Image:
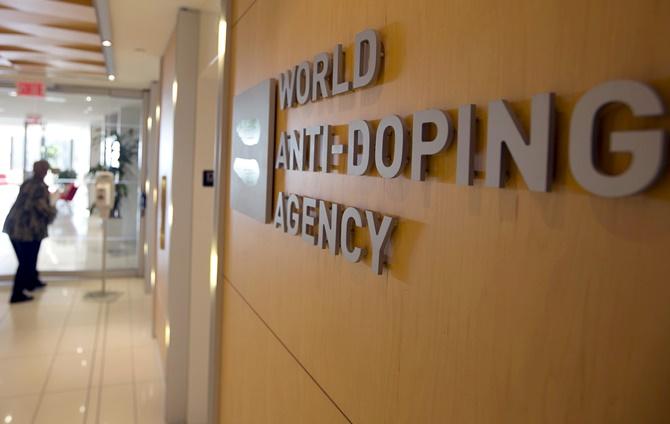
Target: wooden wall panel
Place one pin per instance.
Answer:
(261, 383)
(500, 306)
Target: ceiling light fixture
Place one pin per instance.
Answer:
(13, 93)
(88, 99)
(111, 77)
(106, 43)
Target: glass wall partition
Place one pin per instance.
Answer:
(78, 134)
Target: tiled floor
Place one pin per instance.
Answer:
(65, 359)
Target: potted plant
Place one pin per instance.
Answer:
(127, 155)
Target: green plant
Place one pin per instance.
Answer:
(49, 153)
(68, 174)
(128, 145)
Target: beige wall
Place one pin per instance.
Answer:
(165, 122)
(203, 221)
(179, 76)
(500, 306)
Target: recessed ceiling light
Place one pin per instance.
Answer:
(13, 94)
(106, 43)
(88, 99)
(111, 77)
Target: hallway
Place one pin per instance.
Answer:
(64, 359)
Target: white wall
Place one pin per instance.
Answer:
(176, 160)
(203, 219)
(186, 148)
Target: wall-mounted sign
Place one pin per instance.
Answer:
(30, 88)
(396, 143)
(33, 119)
(253, 130)
(208, 178)
(329, 225)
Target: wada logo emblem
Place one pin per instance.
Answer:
(249, 132)
(252, 151)
(248, 170)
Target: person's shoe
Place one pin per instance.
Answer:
(20, 298)
(38, 285)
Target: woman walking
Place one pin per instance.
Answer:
(26, 225)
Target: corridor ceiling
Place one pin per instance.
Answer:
(58, 41)
(51, 39)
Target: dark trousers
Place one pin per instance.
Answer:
(26, 275)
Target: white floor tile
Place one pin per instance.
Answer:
(64, 407)
(18, 343)
(149, 399)
(33, 316)
(147, 363)
(70, 372)
(78, 339)
(65, 359)
(117, 336)
(82, 314)
(23, 376)
(18, 410)
(117, 366)
(141, 334)
(117, 405)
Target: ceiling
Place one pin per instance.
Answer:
(140, 32)
(50, 38)
(58, 41)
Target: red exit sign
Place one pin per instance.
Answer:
(25, 88)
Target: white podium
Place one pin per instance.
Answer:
(104, 202)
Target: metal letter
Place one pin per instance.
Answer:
(323, 68)
(329, 226)
(367, 58)
(422, 147)
(648, 147)
(280, 212)
(282, 161)
(467, 130)
(361, 149)
(324, 154)
(400, 149)
(350, 218)
(312, 133)
(304, 82)
(340, 86)
(308, 218)
(293, 214)
(287, 88)
(296, 151)
(380, 235)
(535, 160)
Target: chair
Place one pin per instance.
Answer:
(68, 194)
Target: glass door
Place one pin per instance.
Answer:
(78, 135)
